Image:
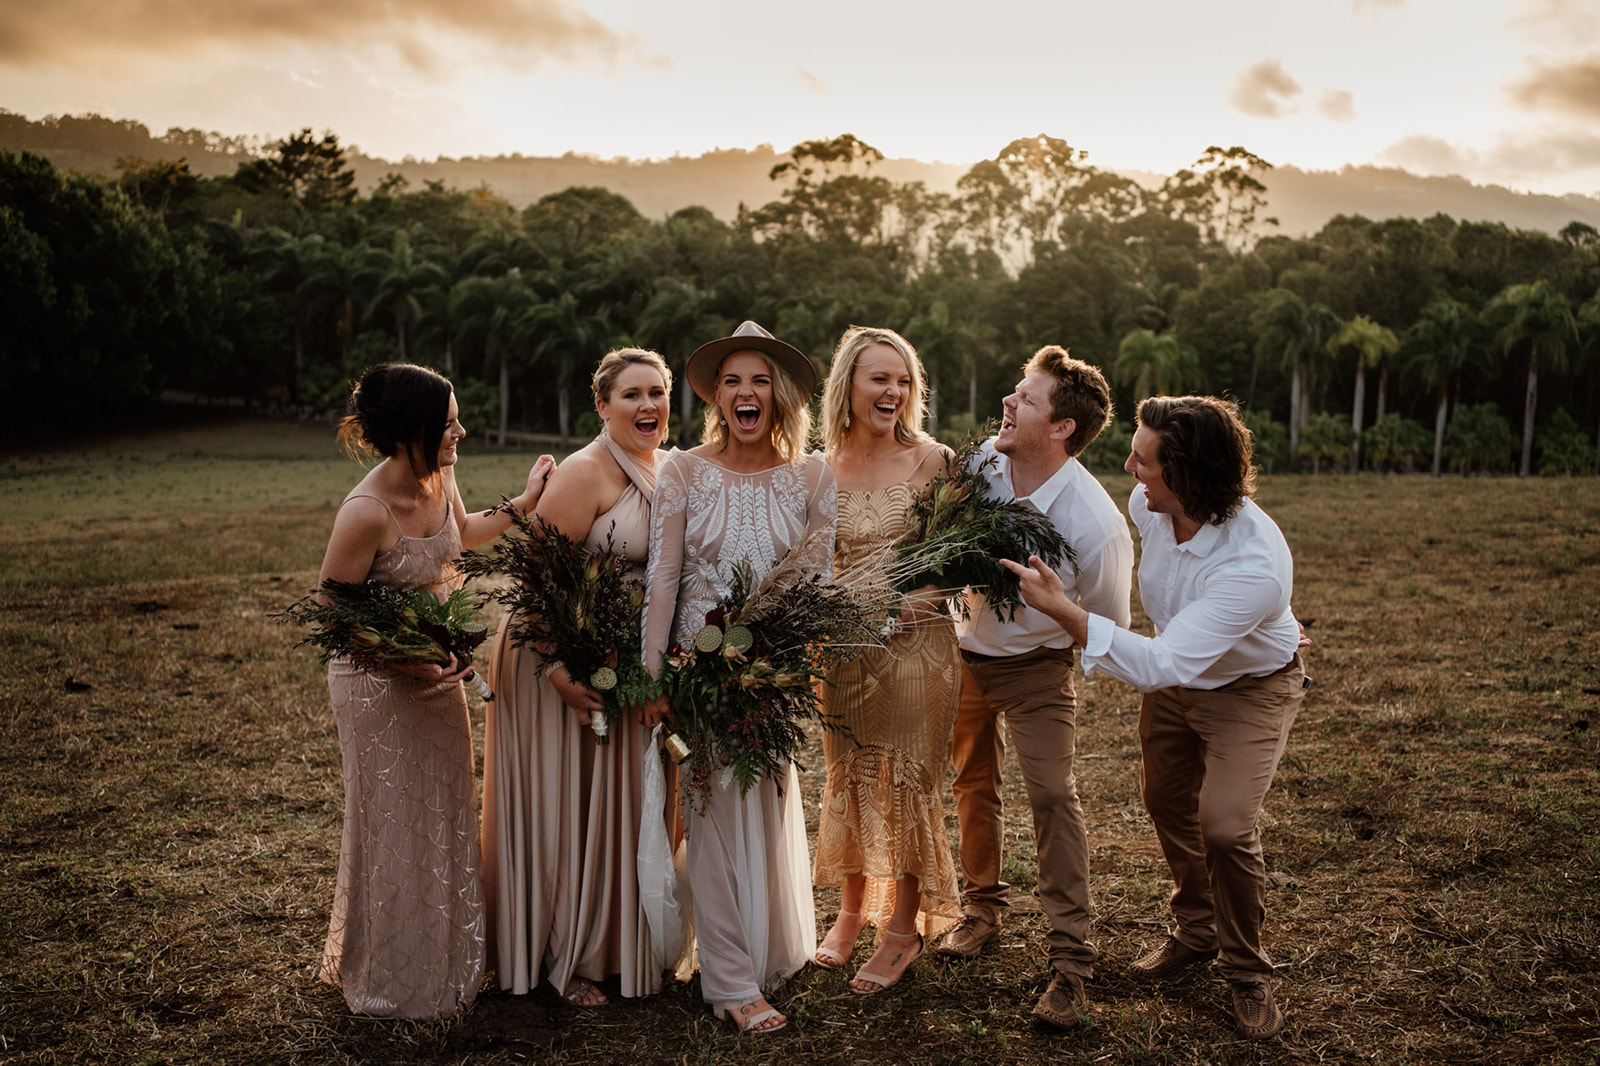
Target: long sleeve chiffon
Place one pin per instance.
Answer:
(747, 855)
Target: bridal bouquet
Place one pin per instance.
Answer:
(748, 680)
(958, 532)
(379, 625)
(576, 606)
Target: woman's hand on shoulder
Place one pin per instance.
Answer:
(538, 479)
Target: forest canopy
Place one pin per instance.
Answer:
(1396, 343)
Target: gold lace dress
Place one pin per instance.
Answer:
(406, 937)
(882, 812)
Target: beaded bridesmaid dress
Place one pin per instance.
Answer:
(406, 939)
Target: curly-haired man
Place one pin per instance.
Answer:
(1222, 680)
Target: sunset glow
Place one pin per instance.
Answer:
(1499, 91)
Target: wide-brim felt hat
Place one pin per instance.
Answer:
(701, 369)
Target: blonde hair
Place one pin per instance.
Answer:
(791, 429)
(836, 392)
(615, 362)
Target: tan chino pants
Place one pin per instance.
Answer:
(1034, 692)
(1208, 759)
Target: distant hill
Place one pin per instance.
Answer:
(721, 180)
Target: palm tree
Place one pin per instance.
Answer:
(566, 337)
(496, 249)
(402, 284)
(1535, 316)
(945, 341)
(1290, 330)
(1372, 343)
(497, 312)
(289, 261)
(1152, 362)
(677, 319)
(1439, 346)
(338, 278)
(1589, 327)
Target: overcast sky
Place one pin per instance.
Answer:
(1499, 91)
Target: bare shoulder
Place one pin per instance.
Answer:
(363, 529)
(932, 461)
(362, 510)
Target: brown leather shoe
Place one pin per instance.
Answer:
(968, 937)
(1063, 1004)
(1259, 1017)
(1172, 957)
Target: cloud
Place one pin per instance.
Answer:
(1429, 155)
(1568, 88)
(1370, 11)
(1557, 21)
(1556, 152)
(812, 84)
(1265, 90)
(1336, 105)
(1512, 158)
(527, 32)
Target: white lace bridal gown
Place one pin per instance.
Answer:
(747, 856)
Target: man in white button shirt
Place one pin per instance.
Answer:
(1022, 669)
(1222, 681)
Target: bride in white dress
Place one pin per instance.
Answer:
(747, 495)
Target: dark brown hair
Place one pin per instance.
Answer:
(1080, 393)
(395, 407)
(1204, 451)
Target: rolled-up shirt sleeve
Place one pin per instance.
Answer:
(1195, 640)
(1104, 584)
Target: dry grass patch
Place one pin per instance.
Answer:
(170, 819)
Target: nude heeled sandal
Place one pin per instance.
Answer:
(830, 958)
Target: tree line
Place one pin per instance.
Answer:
(1430, 344)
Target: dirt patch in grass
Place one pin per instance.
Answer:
(170, 817)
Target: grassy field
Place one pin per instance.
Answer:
(170, 816)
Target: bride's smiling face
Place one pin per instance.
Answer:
(744, 396)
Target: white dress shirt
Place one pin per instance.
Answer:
(1219, 601)
(1079, 506)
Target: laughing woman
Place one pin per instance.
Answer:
(407, 935)
(881, 835)
(561, 812)
(746, 496)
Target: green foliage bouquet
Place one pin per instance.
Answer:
(379, 625)
(743, 687)
(576, 606)
(957, 534)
